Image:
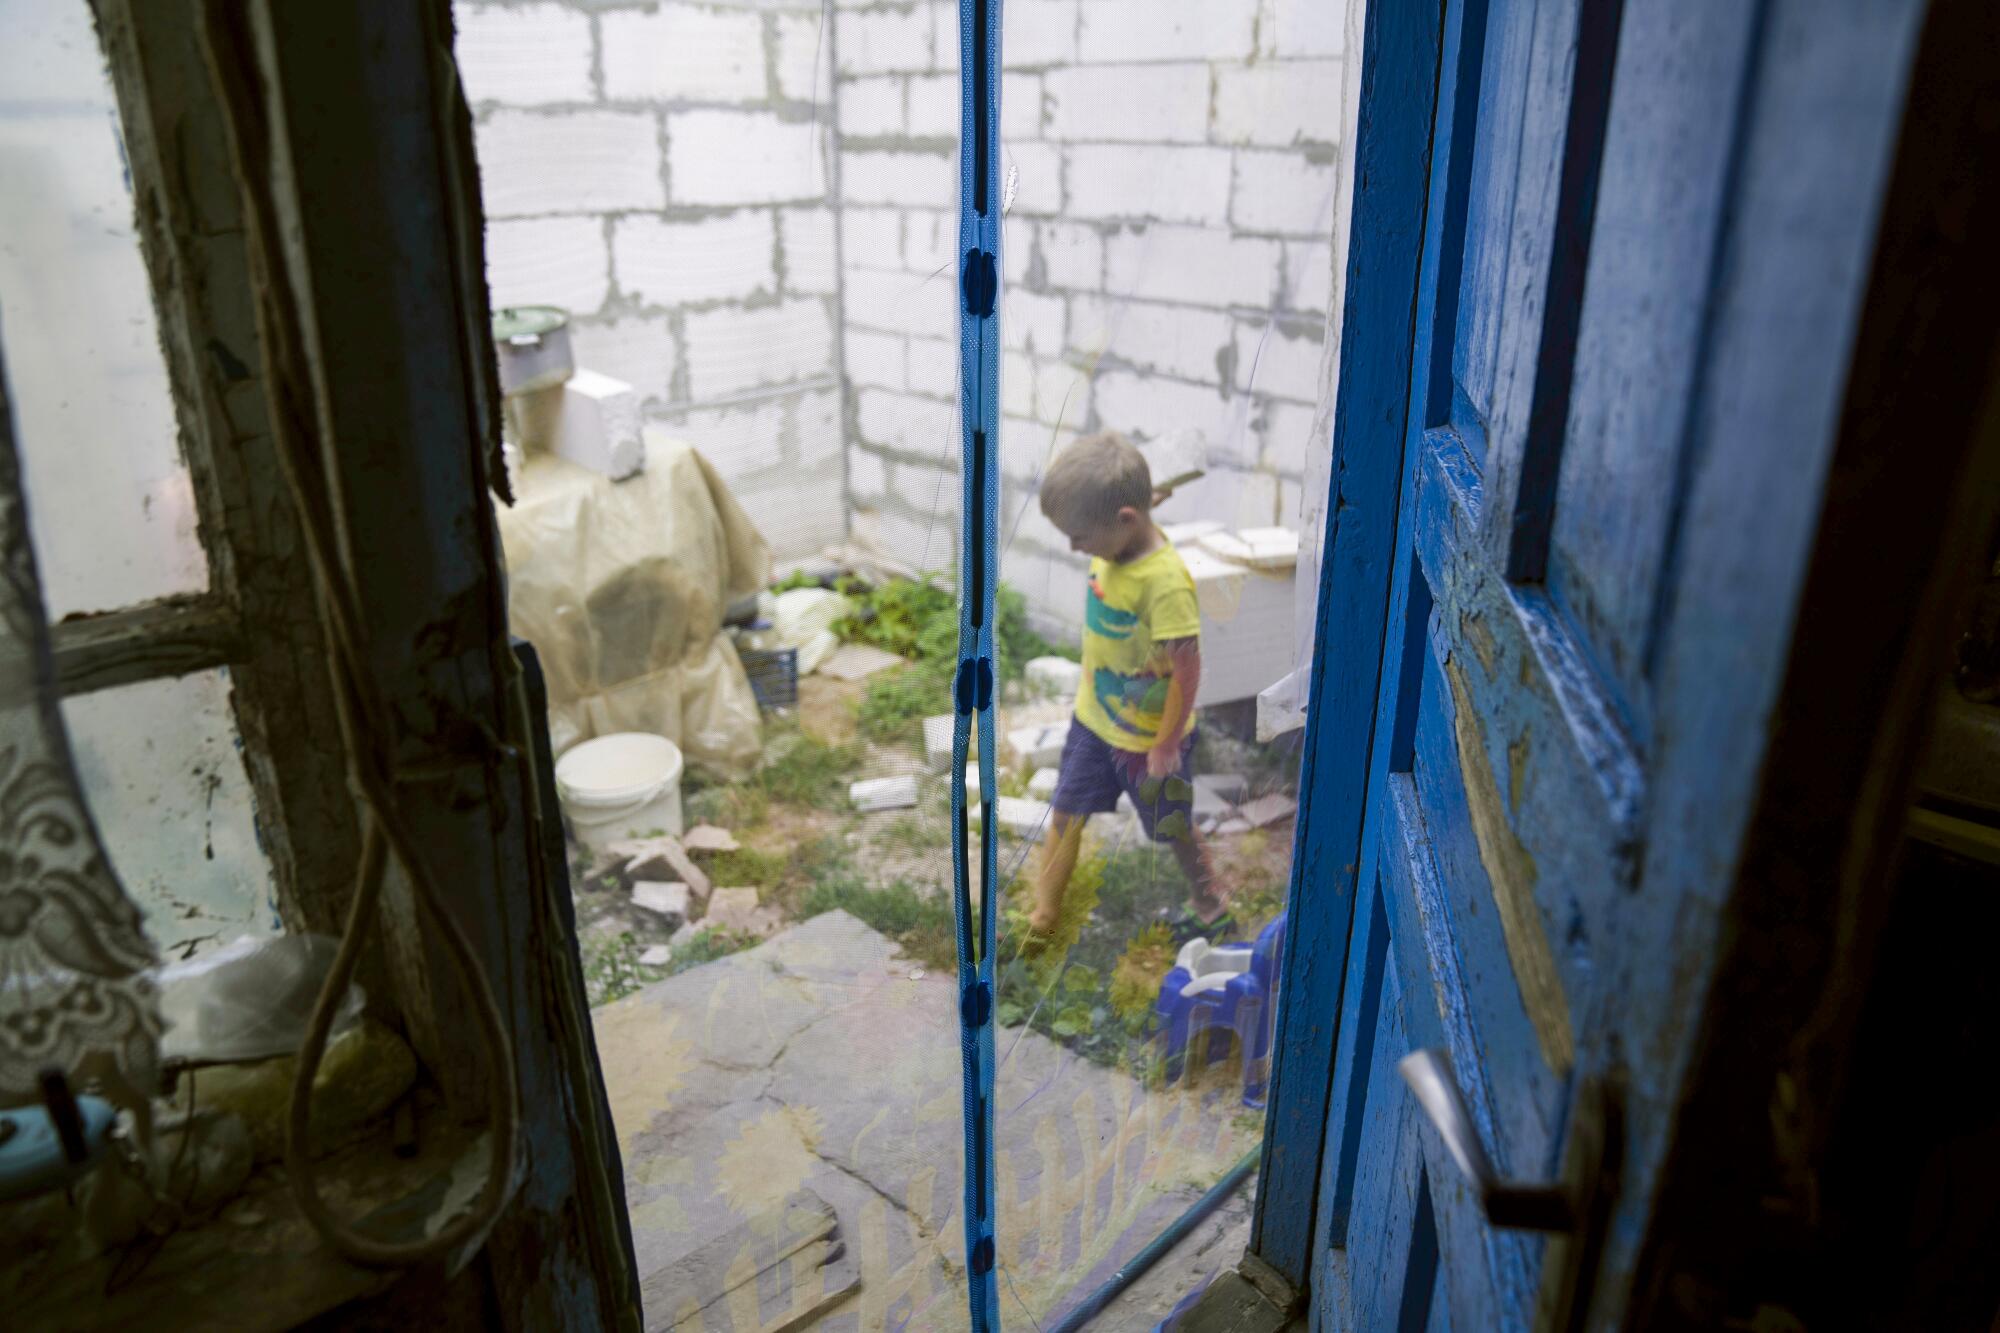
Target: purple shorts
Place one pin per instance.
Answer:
(1094, 772)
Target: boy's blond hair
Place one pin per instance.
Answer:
(1093, 479)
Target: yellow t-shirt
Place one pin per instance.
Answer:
(1129, 609)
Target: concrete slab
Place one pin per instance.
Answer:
(816, 1062)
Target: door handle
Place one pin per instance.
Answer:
(1575, 1209)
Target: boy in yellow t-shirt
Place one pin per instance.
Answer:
(1134, 726)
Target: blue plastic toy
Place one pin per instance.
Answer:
(1219, 995)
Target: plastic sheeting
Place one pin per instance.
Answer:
(621, 586)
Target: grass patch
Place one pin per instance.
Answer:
(612, 970)
(727, 805)
(896, 703)
(913, 834)
(804, 770)
(747, 867)
(922, 923)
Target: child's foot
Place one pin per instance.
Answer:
(1210, 909)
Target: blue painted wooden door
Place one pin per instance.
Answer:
(1625, 287)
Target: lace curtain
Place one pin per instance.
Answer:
(75, 983)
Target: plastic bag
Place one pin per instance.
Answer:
(250, 1000)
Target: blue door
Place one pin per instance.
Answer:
(1645, 238)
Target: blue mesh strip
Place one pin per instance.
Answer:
(979, 473)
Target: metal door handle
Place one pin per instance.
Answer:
(1578, 1208)
(1506, 1203)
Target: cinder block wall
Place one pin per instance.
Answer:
(1168, 255)
(767, 247)
(663, 170)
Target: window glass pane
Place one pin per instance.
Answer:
(162, 767)
(112, 508)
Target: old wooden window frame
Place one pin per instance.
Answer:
(361, 92)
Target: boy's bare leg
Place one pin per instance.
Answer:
(1059, 853)
(1192, 853)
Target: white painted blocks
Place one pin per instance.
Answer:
(682, 53)
(867, 473)
(1033, 321)
(723, 258)
(933, 106)
(894, 303)
(717, 157)
(1022, 816)
(1020, 107)
(573, 162)
(639, 349)
(1308, 284)
(875, 360)
(1053, 677)
(529, 55)
(871, 237)
(1168, 30)
(872, 107)
(1147, 183)
(1308, 28)
(1128, 103)
(1283, 103)
(740, 442)
(1283, 192)
(809, 260)
(1187, 342)
(598, 426)
(1038, 178)
(805, 59)
(1151, 407)
(731, 349)
(915, 180)
(938, 746)
(1042, 786)
(1038, 33)
(880, 41)
(893, 793)
(548, 261)
(1072, 255)
(1281, 360)
(1198, 265)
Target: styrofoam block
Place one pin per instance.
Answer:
(1229, 787)
(1053, 677)
(1208, 805)
(1268, 809)
(1022, 816)
(657, 956)
(598, 427)
(937, 743)
(1038, 747)
(894, 793)
(1042, 786)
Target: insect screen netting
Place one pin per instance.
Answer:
(914, 410)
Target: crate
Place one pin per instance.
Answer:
(774, 675)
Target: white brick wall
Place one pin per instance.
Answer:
(893, 40)
(744, 157)
(1128, 103)
(1167, 30)
(665, 169)
(802, 40)
(1203, 266)
(1285, 361)
(1279, 192)
(529, 55)
(548, 261)
(639, 349)
(683, 54)
(733, 349)
(916, 180)
(872, 107)
(1142, 183)
(578, 162)
(1282, 104)
(1038, 33)
(725, 258)
(1183, 341)
(811, 260)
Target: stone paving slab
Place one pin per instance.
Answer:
(822, 1060)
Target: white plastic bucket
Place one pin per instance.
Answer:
(622, 786)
